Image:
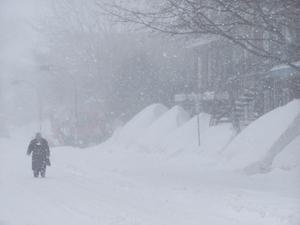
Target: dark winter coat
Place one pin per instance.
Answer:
(40, 154)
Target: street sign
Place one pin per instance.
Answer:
(180, 97)
(206, 96)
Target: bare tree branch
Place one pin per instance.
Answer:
(237, 21)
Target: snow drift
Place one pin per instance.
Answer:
(185, 138)
(167, 123)
(254, 143)
(133, 129)
(157, 130)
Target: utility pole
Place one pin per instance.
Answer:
(199, 95)
(197, 104)
(76, 111)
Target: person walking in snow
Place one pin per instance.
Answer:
(39, 149)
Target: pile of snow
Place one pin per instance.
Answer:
(162, 127)
(185, 138)
(253, 143)
(155, 129)
(289, 158)
(133, 129)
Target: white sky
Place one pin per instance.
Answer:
(17, 37)
(17, 41)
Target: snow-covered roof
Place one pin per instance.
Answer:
(285, 66)
(284, 70)
(204, 40)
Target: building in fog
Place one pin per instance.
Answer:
(237, 86)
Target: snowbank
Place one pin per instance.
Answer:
(185, 138)
(167, 123)
(138, 124)
(157, 130)
(253, 143)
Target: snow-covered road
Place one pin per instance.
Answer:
(90, 187)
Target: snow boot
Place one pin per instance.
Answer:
(35, 173)
(43, 173)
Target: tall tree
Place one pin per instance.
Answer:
(246, 23)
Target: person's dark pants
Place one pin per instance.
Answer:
(39, 165)
(42, 172)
